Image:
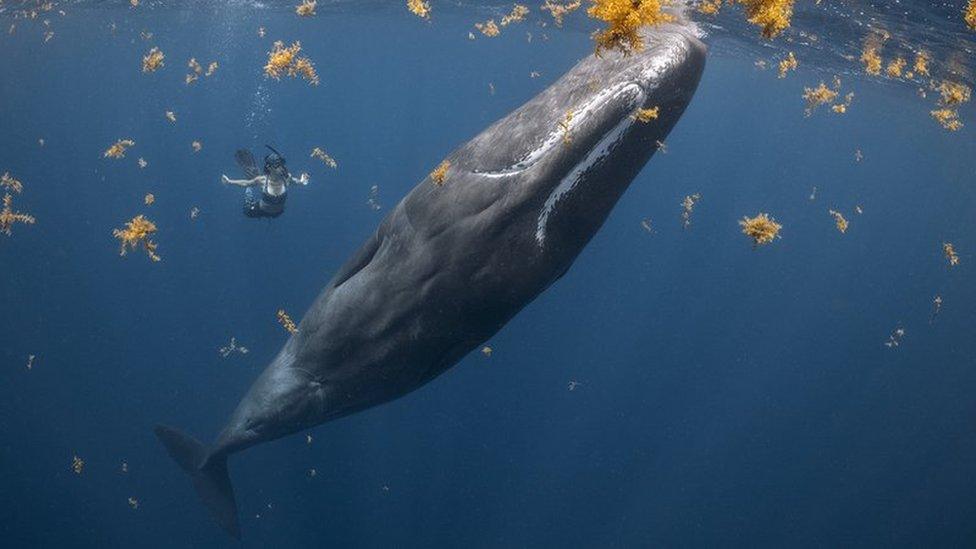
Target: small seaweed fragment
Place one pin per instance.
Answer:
(149, 199)
(896, 67)
(646, 115)
(118, 149)
(231, 348)
(560, 10)
(440, 172)
(324, 157)
(286, 322)
(488, 28)
(687, 206)
(136, 232)
(821, 95)
(624, 18)
(517, 15)
(789, 63)
(871, 54)
(282, 60)
(969, 14)
(841, 108)
(196, 69)
(77, 464)
(762, 228)
(153, 60)
(948, 118)
(950, 253)
(839, 220)
(936, 307)
(8, 216)
(306, 8)
(895, 338)
(709, 7)
(921, 66)
(420, 8)
(11, 184)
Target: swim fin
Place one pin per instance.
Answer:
(245, 160)
(209, 475)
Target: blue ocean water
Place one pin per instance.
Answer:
(721, 394)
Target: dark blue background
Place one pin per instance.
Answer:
(729, 395)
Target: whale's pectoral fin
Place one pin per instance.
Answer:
(209, 475)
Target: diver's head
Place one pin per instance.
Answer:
(274, 165)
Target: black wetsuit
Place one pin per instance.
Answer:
(266, 206)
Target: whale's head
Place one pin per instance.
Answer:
(569, 153)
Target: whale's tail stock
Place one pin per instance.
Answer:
(209, 475)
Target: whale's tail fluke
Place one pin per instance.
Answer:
(209, 475)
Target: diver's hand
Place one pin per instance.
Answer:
(303, 179)
(224, 179)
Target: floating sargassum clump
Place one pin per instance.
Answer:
(560, 10)
(762, 228)
(624, 18)
(117, 150)
(137, 232)
(8, 217)
(286, 61)
(420, 8)
(153, 60)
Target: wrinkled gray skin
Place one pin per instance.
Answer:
(452, 263)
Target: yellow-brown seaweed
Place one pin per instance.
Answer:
(286, 322)
(440, 172)
(324, 157)
(559, 11)
(153, 60)
(762, 228)
(286, 61)
(789, 63)
(420, 8)
(137, 232)
(839, 221)
(646, 115)
(517, 15)
(624, 19)
(306, 8)
(488, 28)
(118, 149)
(950, 253)
(11, 184)
(8, 216)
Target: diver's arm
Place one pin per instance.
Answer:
(243, 182)
(302, 180)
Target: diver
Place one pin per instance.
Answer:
(274, 183)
